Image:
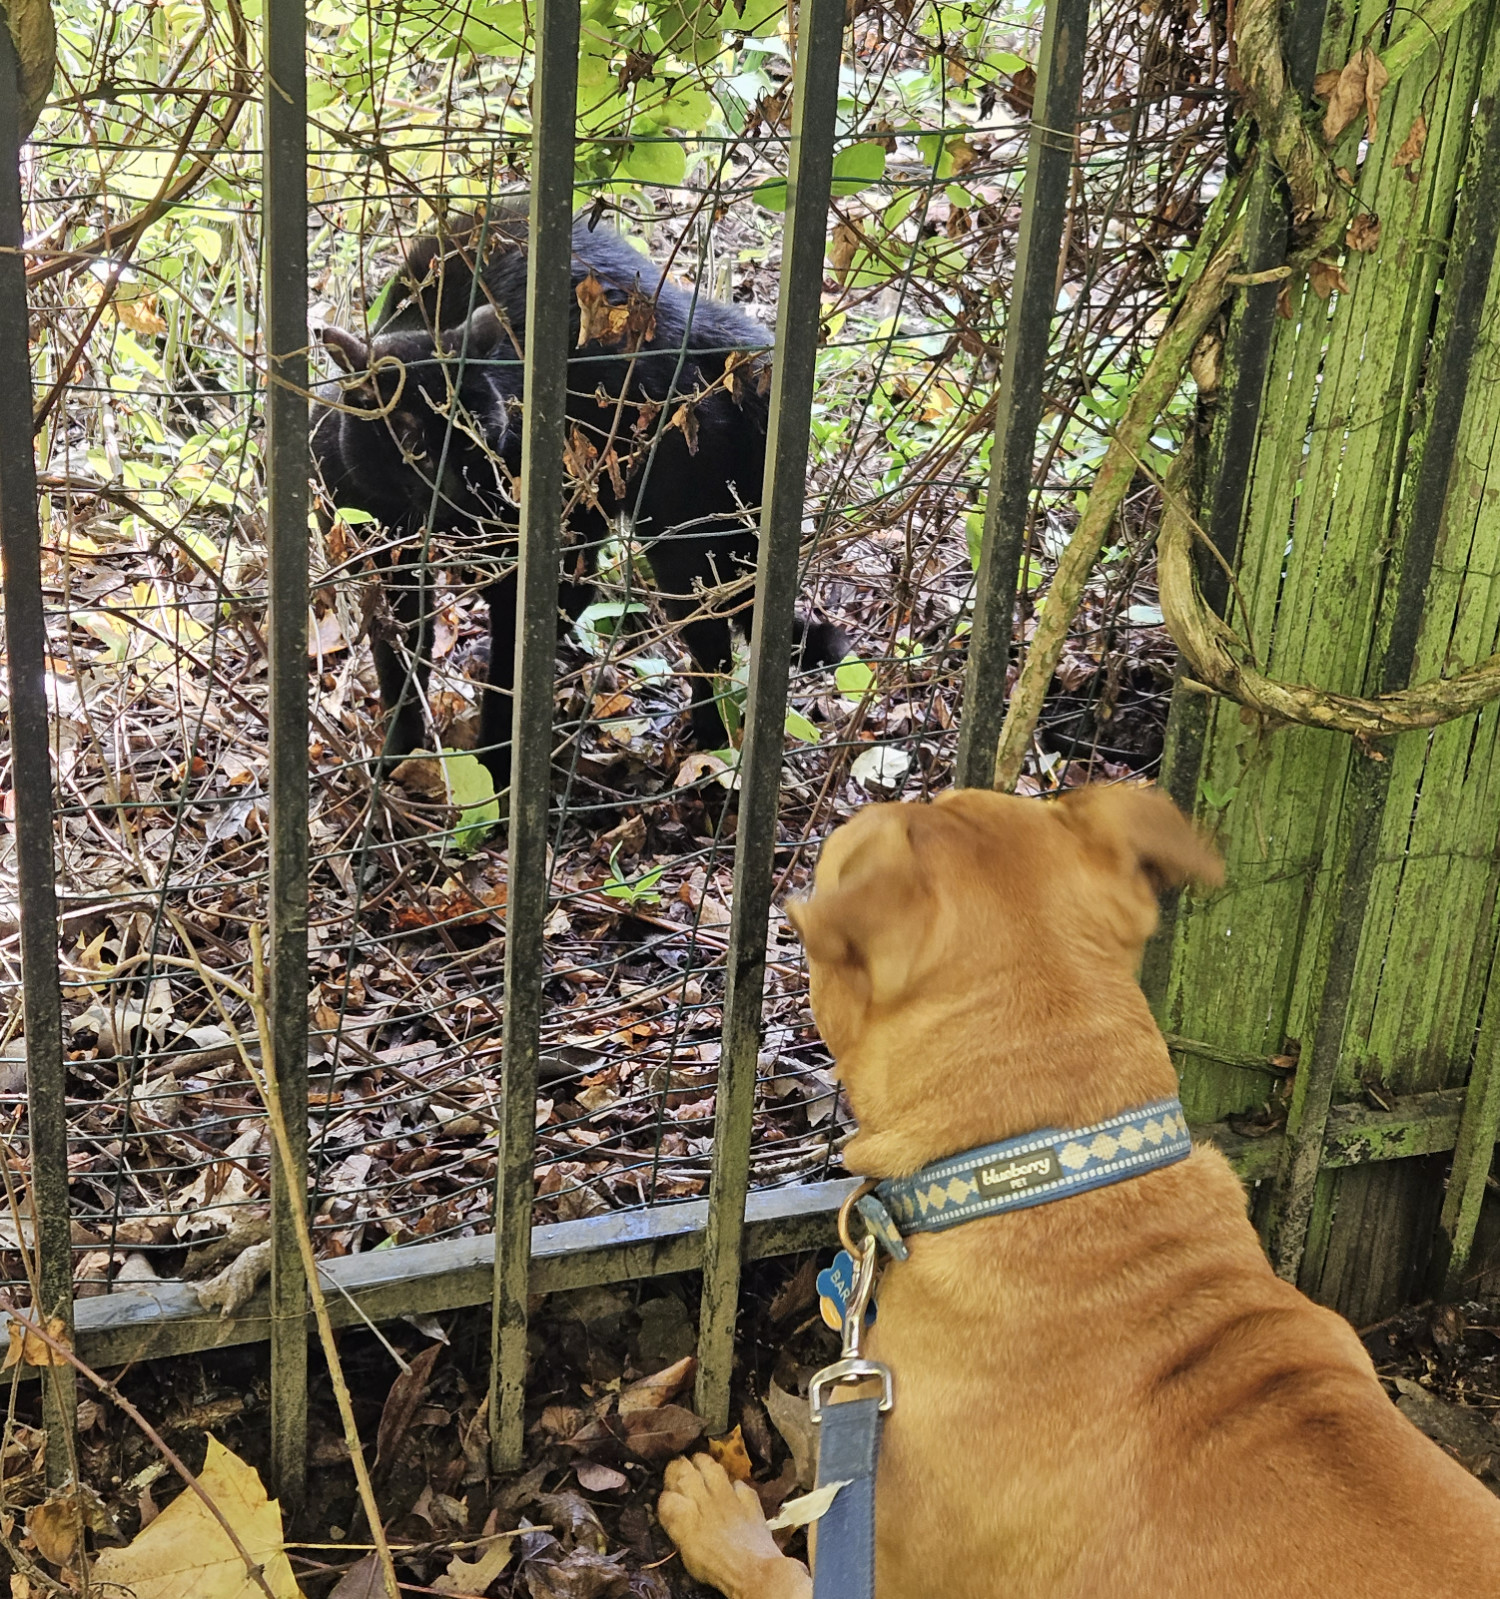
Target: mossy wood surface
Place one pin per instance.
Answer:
(1330, 517)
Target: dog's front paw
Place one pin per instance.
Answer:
(721, 1534)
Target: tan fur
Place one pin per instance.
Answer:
(1112, 1396)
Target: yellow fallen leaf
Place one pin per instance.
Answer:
(28, 1348)
(185, 1550)
(475, 1576)
(731, 1454)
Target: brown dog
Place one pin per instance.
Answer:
(1110, 1395)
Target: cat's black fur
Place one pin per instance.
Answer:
(452, 324)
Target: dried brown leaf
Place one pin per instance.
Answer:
(791, 1418)
(842, 248)
(657, 1435)
(572, 1519)
(658, 1389)
(560, 1421)
(1325, 277)
(1363, 233)
(1020, 96)
(1376, 78)
(363, 1580)
(582, 1575)
(233, 1286)
(407, 1393)
(1413, 145)
(475, 1576)
(56, 1528)
(28, 1348)
(1358, 87)
(597, 1479)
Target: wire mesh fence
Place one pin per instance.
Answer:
(144, 255)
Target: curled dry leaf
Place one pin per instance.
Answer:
(231, 1288)
(407, 1392)
(1413, 145)
(659, 1388)
(1357, 88)
(560, 1421)
(842, 248)
(56, 1528)
(1325, 277)
(363, 1580)
(799, 1512)
(792, 1419)
(572, 1519)
(600, 322)
(583, 1574)
(731, 1454)
(1363, 233)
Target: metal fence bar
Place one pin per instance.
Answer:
(809, 181)
(31, 779)
(1018, 406)
(285, 254)
(548, 301)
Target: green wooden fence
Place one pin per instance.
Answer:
(1358, 929)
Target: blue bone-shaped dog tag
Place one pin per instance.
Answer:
(835, 1286)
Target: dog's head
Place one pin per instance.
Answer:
(986, 914)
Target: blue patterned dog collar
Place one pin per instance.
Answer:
(1032, 1170)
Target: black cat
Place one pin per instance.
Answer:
(667, 414)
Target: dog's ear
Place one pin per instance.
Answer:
(868, 912)
(1147, 828)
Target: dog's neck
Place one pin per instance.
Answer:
(945, 1075)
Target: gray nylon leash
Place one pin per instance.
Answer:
(848, 1447)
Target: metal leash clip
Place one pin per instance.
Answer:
(851, 1367)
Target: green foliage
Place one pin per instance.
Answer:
(632, 891)
(471, 791)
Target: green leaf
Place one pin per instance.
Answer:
(771, 194)
(497, 30)
(799, 727)
(857, 168)
(598, 623)
(472, 790)
(755, 17)
(854, 678)
(658, 162)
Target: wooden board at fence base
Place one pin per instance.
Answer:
(167, 1318)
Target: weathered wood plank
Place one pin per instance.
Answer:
(1251, 964)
